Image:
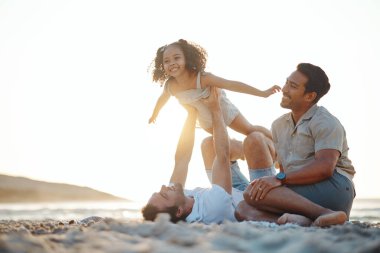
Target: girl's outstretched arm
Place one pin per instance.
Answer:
(209, 79)
(162, 100)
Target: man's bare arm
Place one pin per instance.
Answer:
(221, 174)
(184, 148)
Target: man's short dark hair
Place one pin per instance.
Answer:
(150, 212)
(318, 81)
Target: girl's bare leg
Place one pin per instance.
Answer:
(241, 125)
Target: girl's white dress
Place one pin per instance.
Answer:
(193, 98)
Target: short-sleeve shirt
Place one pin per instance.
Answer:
(318, 129)
(213, 205)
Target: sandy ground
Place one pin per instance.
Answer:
(96, 234)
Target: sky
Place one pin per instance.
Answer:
(76, 93)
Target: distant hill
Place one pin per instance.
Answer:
(21, 189)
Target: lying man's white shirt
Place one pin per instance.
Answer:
(213, 205)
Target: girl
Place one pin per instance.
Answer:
(181, 66)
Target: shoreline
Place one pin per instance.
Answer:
(95, 234)
(365, 210)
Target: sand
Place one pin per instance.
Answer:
(95, 234)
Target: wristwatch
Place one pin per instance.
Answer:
(281, 176)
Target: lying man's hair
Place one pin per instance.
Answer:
(150, 213)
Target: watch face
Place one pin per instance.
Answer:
(281, 176)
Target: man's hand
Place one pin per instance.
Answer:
(212, 101)
(152, 119)
(259, 188)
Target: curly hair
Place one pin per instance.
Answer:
(195, 57)
(318, 81)
(150, 213)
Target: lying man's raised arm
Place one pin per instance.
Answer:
(184, 148)
(221, 174)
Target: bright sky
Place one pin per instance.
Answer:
(75, 94)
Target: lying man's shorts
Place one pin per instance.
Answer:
(240, 182)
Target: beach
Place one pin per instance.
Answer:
(97, 234)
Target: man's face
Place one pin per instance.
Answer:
(168, 196)
(293, 91)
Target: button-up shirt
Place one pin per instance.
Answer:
(297, 143)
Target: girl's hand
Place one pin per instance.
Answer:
(272, 90)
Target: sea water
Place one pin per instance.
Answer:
(365, 210)
(70, 210)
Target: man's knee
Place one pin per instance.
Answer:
(254, 139)
(258, 142)
(207, 144)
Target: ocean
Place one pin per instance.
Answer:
(365, 210)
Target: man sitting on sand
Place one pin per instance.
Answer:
(311, 149)
(217, 204)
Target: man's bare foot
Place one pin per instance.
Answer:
(334, 218)
(295, 219)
